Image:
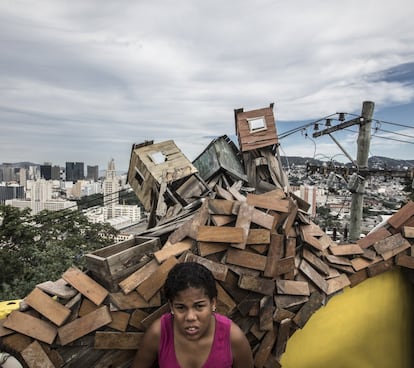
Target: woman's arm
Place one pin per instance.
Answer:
(242, 353)
(147, 352)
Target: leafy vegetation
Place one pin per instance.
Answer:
(41, 247)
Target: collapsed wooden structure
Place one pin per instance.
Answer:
(274, 267)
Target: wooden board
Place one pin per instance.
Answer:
(218, 270)
(84, 325)
(292, 287)
(118, 340)
(268, 202)
(346, 249)
(149, 287)
(223, 234)
(246, 259)
(48, 307)
(400, 217)
(174, 250)
(308, 309)
(120, 320)
(274, 254)
(36, 357)
(313, 275)
(243, 221)
(85, 285)
(132, 281)
(31, 326)
(373, 237)
(60, 288)
(257, 284)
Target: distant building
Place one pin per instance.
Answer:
(56, 172)
(75, 171)
(46, 171)
(92, 172)
(110, 190)
(10, 191)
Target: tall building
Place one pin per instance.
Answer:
(92, 172)
(10, 191)
(110, 190)
(46, 171)
(75, 171)
(56, 172)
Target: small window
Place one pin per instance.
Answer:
(257, 124)
(157, 157)
(138, 176)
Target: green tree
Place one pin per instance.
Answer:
(38, 248)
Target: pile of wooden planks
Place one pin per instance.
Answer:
(273, 266)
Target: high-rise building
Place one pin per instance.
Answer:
(92, 172)
(75, 171)
(11, 191)
(111, 190)
(46, 171)
(56, 172)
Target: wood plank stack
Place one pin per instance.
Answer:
(273, 266)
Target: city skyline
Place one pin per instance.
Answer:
(85, 81)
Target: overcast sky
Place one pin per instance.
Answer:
(83, 80)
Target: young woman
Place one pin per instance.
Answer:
(193, 335)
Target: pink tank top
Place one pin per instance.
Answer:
(220, 354)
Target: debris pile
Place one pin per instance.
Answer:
(274, 267)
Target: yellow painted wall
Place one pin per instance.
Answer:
(369, 325)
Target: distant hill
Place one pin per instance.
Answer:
(374, 162)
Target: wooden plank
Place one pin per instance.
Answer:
(263, 219)
(120, 321)
(223, 193)
(290, 252)
(405, 260)
(257, 284)
(223, 234)
(246, 259)
(258, 236)
(60, 288)
(174, 250)
(207, 248)
(243, 222)
(337, 283)
(313, 275)
(282, 337)
(359, 263)
(266, 313)
(274, 254)
(149, 287)
(335, 260)
(408, 232)
(31, 326)
(3, 330)
(136, 317)
(285, 266)
(280, 314)
(117, 340)
(316, 262)
(48, 307)
(85, 285)
(399, 218)
(292, 287)
(290, 301)
(392, 245)
(147, 321)
(36, 357)
(290, 219)
(218, 270)
(268, 202)
(265, 348)
(373, 237)
(135, 279)
(225, 303)
(221, 220)
(315, 301)
(358, 277)
(84, 325)
(380, 267)
(86, 307)
(220, 206)
(346, 249)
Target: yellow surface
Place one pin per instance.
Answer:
(8, 306)
(369, 325)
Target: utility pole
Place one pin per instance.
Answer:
(364, 140)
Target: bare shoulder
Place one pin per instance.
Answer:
(148, 349)
(242, 353)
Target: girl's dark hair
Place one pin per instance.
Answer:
(189, 274)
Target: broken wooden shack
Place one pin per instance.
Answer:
(274, 267)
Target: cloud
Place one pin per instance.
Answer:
(91, 78)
